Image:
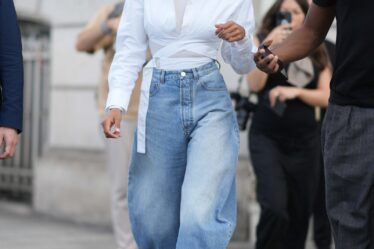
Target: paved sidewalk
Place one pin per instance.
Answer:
(22, 228)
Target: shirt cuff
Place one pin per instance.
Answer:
(117, 98)
(115, 107)
(244, 44)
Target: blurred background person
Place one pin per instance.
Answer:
(11, 80)
(99, 34)
(284, 136)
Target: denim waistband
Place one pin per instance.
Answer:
(192, 73)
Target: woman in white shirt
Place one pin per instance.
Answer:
(182, 174)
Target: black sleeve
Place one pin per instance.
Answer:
(11, 67)
(325, 3)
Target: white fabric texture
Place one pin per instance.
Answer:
(153, 23)
(180, 8)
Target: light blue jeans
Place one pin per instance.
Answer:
(182, 191)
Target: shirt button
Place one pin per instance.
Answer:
(183, 74)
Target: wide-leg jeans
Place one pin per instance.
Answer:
(182, 190)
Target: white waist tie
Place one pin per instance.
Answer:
(161, 60)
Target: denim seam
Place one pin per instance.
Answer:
(162, 77)
(230, 231)
(182, 110)
(236, 130)
(213, 89)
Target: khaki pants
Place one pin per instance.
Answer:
(118, 155)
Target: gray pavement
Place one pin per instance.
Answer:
(22, 228)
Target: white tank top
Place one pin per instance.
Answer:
(180, 9)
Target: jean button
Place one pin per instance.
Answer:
(183, 74)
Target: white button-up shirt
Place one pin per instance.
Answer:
(153, 23)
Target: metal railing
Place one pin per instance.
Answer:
(16, 174)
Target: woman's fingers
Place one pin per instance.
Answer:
(283, 98)
(223, 30)
(111, 124)
(107, 124)
(117, 126)
(273, 95)
(235, 36)
(230, 31)
(232, 34)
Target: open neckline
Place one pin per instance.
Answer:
(180, 24)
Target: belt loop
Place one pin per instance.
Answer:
(157, 62)
(218, 64)
(195, 74)
(162, 76)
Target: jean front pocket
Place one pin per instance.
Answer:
(154, 88)
(213, 81)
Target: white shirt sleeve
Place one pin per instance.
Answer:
(131, 47)
(240, 54)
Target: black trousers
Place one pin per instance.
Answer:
(286, 169)
(348, 151)
(321, 224)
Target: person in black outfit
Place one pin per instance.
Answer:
(321, 224)
(348, 130)
(284, 147)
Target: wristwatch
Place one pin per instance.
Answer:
(105, 28)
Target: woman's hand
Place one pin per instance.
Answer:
(112, 123)
(113, 24)
(230, 31)
(283, 93)
(279, 34)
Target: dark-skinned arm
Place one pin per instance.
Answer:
(301, 42)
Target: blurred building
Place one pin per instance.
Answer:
(59, 168)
